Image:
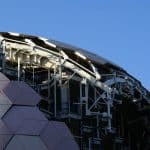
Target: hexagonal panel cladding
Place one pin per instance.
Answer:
(20, 93)
(24, 142)
(57, 136)
(4, 81)
(25, 120)
(5, 135)
(24, 127)
(29, 122)
(5, 104)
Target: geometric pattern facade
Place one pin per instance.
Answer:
(19, 93)
(23, 126)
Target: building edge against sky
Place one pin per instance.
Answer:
(101, 103)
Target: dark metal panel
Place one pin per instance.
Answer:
(5, 103)
(31, 127)
(67, 144)
(4, 109)
(5, 135)
(21, 94)
(58, 133)
(3, 81)
(3, 129)
(18, 115)
(21, 142)
(4, 100)
(50, 137)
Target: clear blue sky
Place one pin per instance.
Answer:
(116, 29)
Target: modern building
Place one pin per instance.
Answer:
(104, 107)
(23, 126)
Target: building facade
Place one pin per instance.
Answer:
(103, 106)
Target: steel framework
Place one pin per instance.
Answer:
(103, 105)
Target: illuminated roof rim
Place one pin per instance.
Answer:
(91, 56)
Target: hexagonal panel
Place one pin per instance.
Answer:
(57, 136)
(22, 142)
(4, 81)
(31, 127)
(5, 135)
(20, 93)
(18, 116)
(5, 104)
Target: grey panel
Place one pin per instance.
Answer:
(4, 100)
(61, 128)
(4, 140)
(3, 77)
(13, 119)
(20, 142)
(3, 81)
(31, 127)
(5, 104)
(15, 144)
(3, 110)
(67, 141)
(3, 128)
(58, 133)
(67, 144)
(30, 113)
(5, 135)
(50, 137)
(21, 94)
(19, 114)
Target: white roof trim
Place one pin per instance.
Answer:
(80, 55)
(1, 38)
(14, 34)
(30, 42)
(50, 44)
(42, 38)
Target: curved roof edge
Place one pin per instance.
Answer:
(60, 45)
(54, 43)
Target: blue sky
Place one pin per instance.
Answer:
(116, 29)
